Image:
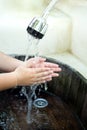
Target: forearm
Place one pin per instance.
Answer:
(8, 80)
(8, 63)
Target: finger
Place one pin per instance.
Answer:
(55, 75)
(44, 79)
(52, 65)
(40, 59)
(44, 74)
(41, 70)
(56, 69)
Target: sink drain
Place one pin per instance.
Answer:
(40, 103)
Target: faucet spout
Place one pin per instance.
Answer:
(38, 26)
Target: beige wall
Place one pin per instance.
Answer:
(77, 10)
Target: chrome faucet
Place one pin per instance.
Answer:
(38, 26)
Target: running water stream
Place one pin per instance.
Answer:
(30, 92)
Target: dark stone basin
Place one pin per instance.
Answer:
(66, 110)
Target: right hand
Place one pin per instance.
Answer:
(28, 76)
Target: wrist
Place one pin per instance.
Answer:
(14, 79)
(8, 80)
